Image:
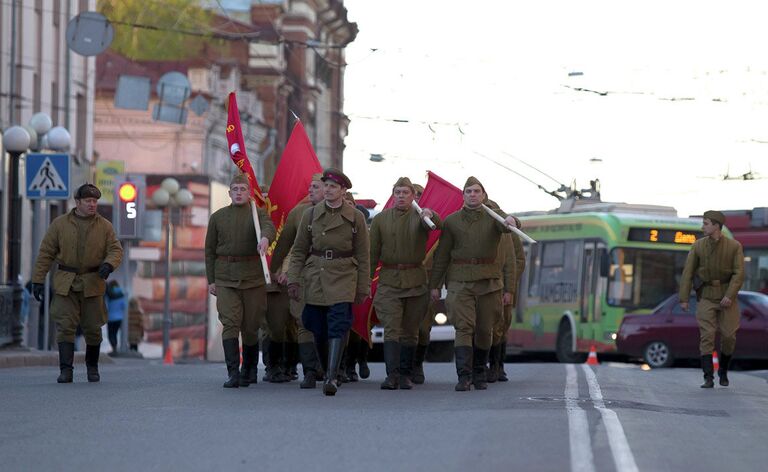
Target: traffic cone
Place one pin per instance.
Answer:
(592, 358)
(715, 361)
(168, 359)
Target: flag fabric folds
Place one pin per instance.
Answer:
(237, 149)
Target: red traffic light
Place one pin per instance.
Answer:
(127, 192)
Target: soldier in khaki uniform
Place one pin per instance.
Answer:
(399, 241)
(513, 258)
(280, 261)
(718, 263)
(236, 278)
(466, 259)
(330, 259)
(84, 246)
(425, 327)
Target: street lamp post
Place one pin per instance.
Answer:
(169, 195)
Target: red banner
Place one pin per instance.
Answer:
(237, 149)
(440, 196)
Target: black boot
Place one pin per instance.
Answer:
(266, 348)
(407, 353)
(463, 355)
(275, 372)
(92, 363)
(309, 363)
(418, 364)
(331, 384)
(249, 371)
(492, 375)
(291, 360)
(392, 361)
(350, 360)
(708, 368)
(66, 358)
(362, 359)
(232, 359)
(479, 364)
(502, 355)
(722, 372)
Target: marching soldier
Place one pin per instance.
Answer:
(330, 259)
(308, 355)
(399, 239)
(236, 278)
(84, 246)
(426, 323)
(466, 259)
(717, 264)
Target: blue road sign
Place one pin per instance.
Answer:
(48, 176)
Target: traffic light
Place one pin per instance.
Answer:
(128, 209)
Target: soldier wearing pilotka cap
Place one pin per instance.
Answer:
(718, 264)
(466, 259)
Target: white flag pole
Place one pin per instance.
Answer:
(514, 229)
(257, 227)
(425, 218)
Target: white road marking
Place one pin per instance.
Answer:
(578, 427)
(617, 440)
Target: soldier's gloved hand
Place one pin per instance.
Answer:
(293, 291)
(38, 291)
(105, 269)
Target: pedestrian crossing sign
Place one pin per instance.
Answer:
(48, 176)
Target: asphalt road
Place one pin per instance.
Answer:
(146, 416)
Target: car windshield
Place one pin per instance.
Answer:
(758, 300)
(643, 278)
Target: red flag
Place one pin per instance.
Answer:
(237, 149)
(292, 176)
(442, 197)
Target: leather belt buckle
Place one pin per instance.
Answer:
(329, 254)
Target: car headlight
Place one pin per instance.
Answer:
(441, 319)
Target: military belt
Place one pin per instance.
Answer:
(237, 258)
(475, 260)
(716, 283)
(332, 254)
(76, 270)
(400, 266)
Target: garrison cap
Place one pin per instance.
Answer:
(715, 216)
(404, 182)
(88, 191)
(239, 178)
(335, 175)
(473, 181)
(418, 188)
(317, 177)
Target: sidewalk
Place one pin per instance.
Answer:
(28, 357)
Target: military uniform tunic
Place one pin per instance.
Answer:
(513, 263)
(79, 244)
(399, 242)
(720, 265)
(232, 262)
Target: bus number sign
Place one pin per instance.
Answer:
(665, 236)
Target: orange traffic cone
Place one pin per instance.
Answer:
(715, 361)
(168, 359)
(592, 358)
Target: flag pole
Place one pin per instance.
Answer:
(257, 227)
(425, 218)
(514, 229)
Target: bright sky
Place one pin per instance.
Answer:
(686, 102)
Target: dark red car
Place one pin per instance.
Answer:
(670, 333)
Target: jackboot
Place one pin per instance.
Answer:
(407, 353)
(362, 359)
(350, 361)
(331, 384)
(249, 371)
(502, 355)
(722, 372)
(275, 372)
(66, 358)
(492, 374)
(342, 374)
(291, 360)
(708, 368)
(463, 356)
(309, 363)
(92, 363)
(392, 361)
(232, 359)
(418, 364)
(479, 363)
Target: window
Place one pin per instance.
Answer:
(642, 278)
(560, 271)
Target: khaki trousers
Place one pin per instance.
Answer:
(425, 327)
(302, 334)
(241, 311)
(278, 314)
(400, 313)
(75, 309)
(473, 315)
(502, 325)
(712, 318)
